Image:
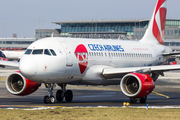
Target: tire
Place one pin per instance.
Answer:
(46, 99)
(51, 99)
(59, 96)
(133, 100)
(68, 95)
(143, 99)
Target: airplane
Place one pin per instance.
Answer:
(2, 54)
(134, 65)
(11, 55)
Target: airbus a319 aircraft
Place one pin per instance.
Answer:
(135, 65)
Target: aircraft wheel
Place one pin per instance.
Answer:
(143, 99)
(59, 96)
(68, 95)
(133, 100)
(46, 99)
(51, 99)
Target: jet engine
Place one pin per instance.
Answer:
(18, 85)
(137, 85)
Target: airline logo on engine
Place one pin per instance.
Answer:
(99, 47)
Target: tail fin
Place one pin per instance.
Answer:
(156, 27)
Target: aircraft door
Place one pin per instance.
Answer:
(109, 55)
(69, 62)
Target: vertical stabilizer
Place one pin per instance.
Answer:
(156, 27)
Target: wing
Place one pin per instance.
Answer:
(9, 63)
(171, 53)
(119, 72)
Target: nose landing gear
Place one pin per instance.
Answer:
(60, 94)
(49, 99)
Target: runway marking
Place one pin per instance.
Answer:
(75, 107)
(26, 106)
(120, 90)
(175, 80)
(97, 88)
(160, 94)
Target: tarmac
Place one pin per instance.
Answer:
(165, 94)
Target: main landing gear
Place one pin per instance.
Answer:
(141, 100)
(60, 94)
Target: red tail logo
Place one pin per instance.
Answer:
(159, 21)
(81, 55)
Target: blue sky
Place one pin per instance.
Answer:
(24, 16)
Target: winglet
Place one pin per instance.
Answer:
(156, 27)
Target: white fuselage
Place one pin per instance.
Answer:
(75, 56)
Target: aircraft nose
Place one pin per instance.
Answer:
(28, 67)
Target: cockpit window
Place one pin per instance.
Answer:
(28, 51)
(46, 52)
(37, 51)
(52, 51)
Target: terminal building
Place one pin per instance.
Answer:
(15, 43)
(132, 29)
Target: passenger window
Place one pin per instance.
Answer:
(28, 51)
(37, 51)
(46, 52)
(52, 51)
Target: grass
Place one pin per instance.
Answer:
(91, 114)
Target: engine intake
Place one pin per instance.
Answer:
(19, 85)
(137, 85)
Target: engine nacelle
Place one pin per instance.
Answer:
(19, 85)
(136, 85)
